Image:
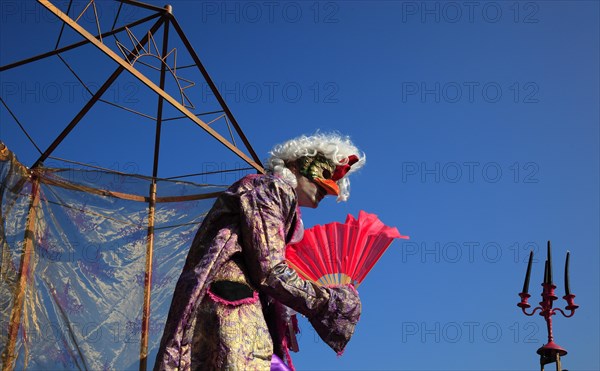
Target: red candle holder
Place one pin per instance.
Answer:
(549, 352)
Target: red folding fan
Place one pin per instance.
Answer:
(337, 253)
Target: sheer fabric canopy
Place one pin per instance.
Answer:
(72, 268)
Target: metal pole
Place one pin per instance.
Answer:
(152, 207)
(148, 279)
(8, 357)
(160, 100)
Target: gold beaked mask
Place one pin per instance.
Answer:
(320, 170)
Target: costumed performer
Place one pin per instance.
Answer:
(231, 305)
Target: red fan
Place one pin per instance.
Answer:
(335, 253)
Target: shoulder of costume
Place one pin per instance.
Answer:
(271, 181)
(266, 187)
(258, 179)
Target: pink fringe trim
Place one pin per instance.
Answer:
(288, 358)
(219, 299)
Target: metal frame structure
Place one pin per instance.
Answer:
(166, 20)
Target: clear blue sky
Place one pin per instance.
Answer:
(480, 121)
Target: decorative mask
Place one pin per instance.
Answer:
(324, 172)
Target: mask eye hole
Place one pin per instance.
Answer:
(326, 174)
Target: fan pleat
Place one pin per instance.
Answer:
(335, 253)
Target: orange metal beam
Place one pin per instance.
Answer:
(148, 280)
(9, 357)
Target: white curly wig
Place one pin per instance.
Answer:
(333, 146)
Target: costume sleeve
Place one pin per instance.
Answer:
(266, 211)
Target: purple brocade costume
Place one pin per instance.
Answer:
(229, 309)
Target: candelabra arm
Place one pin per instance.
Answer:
(563, 313)
(532, 312)
(571, 306)
(524, 305)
